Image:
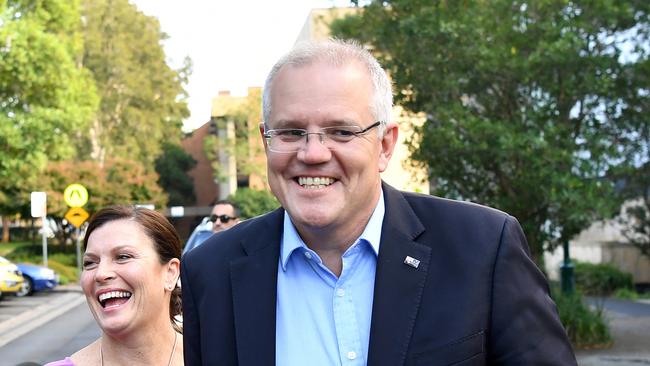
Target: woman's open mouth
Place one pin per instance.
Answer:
(113, 298)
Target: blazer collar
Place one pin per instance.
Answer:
(398, 284)
(254, 283)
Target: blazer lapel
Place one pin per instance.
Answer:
(254, 282)
(398, 285)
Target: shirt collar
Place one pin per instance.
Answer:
(292, 241)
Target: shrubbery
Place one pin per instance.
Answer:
(253, 202)
(585, 327)
(601, 279)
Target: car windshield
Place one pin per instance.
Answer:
(197, 237)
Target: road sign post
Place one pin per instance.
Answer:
(39, 209)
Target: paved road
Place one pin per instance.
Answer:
(630, 327)
(45, 327)
(49, 326)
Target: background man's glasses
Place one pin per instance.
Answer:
(289, 140)
(223, 218)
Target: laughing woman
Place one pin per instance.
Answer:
(130, 271)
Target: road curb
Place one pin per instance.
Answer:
(34, 318)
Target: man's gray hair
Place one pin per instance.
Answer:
(337, 52)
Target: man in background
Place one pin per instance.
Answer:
(225, 214)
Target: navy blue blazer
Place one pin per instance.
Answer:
(476, 297)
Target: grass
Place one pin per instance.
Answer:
(629, 294)
(62, 261)
(6, 248)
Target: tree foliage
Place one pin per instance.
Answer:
(253, 202)
(84, 80)
(172, 167)
(530, 106)
(635, 216)
(45, 96)
(142, 99)
(117, 181)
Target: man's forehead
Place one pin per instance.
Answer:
(324, 64)
(222, 207)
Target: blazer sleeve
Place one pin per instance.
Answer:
(525, 326)
(191, 325)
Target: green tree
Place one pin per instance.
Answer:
(45, 96)
(117, 181)
(530, 106)
(172, 167)
(635, 218)
(253, 202)
(142, 99)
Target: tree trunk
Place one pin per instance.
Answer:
(5, 229)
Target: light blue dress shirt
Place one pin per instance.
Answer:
(322, 319)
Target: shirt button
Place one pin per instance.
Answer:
(340, 293)
(308, 255)
(352, 355)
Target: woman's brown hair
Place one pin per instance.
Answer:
(166, 241)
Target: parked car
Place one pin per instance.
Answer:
(199, 235)
(11, 279)
(36, 278)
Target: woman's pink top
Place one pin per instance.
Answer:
(65, 362)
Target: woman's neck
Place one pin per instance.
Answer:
(139, 348)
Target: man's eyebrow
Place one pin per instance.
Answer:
(293, 123)
(286, 123)
(340, 122)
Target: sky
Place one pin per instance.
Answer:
(232, 44)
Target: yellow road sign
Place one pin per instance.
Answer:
(75, 195)
(76, 216)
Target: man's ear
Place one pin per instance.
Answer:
(262, 134)
(388, 142)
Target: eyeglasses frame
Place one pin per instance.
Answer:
(267, 136)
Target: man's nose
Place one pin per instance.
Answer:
(315, 150)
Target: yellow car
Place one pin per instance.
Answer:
(11, 279)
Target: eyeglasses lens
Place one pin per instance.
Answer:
(222, 218)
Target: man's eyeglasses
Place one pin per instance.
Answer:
(289, 140)
(223, 218)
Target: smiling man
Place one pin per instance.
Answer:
(351, 271)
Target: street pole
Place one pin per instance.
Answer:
(44, 242)
(78, 250)
(566, 270)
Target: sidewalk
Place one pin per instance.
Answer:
(631, 334)
(68, 297)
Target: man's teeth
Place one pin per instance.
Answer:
(113, 294)
(315, 182)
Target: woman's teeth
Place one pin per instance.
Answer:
(103, 298)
